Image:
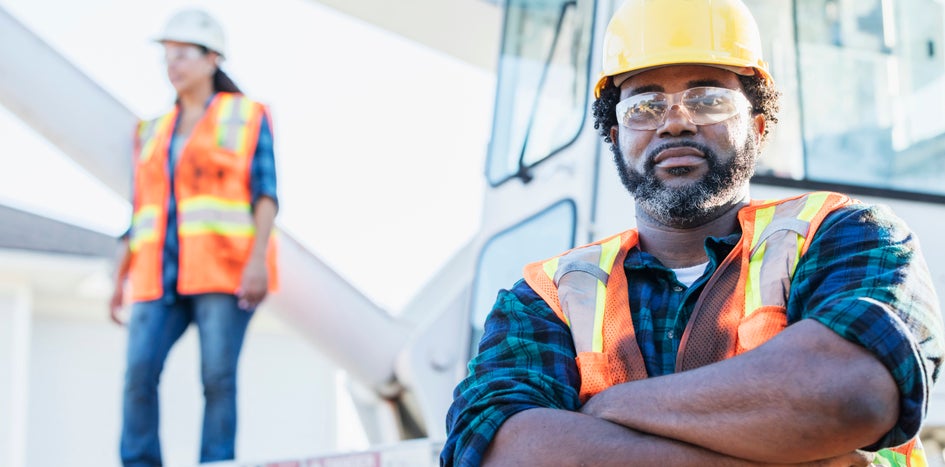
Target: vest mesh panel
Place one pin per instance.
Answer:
(709, 337)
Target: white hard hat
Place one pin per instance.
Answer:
(195, 27)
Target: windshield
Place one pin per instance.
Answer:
(541, 97)
(870, 88)
(541, 236)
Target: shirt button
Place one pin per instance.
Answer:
(678, 288)
(670, 335)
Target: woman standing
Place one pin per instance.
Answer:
(199, 248)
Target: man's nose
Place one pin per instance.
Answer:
(677, 122)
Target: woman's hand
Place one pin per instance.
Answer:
(253, 286)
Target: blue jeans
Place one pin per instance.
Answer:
(154, 327)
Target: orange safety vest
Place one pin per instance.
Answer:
(211, 185)
(742, 306)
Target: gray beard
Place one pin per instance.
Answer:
(694, 204)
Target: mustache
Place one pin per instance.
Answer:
(651, 154)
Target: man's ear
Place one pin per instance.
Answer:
(760, 125)
(613, 133)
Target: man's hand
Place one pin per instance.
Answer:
(853, 459)
(253, 286)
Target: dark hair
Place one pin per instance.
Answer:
(763, 96)
(221, 81)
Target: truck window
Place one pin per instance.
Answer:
(870, 94)
(548, 233)
(541, 95)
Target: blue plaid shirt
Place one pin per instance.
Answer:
(526, 355)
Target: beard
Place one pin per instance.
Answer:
(696, 203)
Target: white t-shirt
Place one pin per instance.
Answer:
(689, 275)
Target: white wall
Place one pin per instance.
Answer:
(286, 395)
(15, 303)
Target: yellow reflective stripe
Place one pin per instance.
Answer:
(203, 224)
(609, 250)
(224, 109)
(242, 131)
(139, 238)
(148, 210)
(212, 202)
(917, 456)
(763, 217)
(752, 292)
(214, 227)
(214, 215)
(551, 267)
(143, 226)
(814, 202)
(146, 137)
(149, 134)
(890, 458)
(232, 115)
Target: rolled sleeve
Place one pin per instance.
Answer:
(525, 360)
(262, 175)
(864, 278)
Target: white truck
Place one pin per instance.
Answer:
(876, 134)
(864, 85)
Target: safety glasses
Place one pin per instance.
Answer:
(704, 105)
(181, 52)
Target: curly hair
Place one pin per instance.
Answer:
(764, 98)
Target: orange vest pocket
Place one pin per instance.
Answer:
(760, 326)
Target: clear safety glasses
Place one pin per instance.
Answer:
(704, 105)
(182, 52)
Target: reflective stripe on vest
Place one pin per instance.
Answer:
(911, 454)
(597, 313)
(211, 215)
(594, 261)
(785, 225)
(149, 133)
(144, 226)
(233, 112)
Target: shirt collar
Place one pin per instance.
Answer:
(717, 248)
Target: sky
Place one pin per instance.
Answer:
(380, 142)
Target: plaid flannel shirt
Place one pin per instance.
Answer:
(863, 277)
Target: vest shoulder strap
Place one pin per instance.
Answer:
(237, 119)
(594, 260)
(754, 279)
(587, 289)
(150, 131)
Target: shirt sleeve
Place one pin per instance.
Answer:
(864, 277)
(262, 175)
(526, 360)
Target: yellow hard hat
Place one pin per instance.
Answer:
(645, 34)
(194, 26)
